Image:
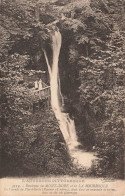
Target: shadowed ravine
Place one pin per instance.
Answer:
(67, 125)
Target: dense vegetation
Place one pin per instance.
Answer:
(92, 82)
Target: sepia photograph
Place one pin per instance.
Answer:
(62, 103)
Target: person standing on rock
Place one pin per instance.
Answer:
(40, 88)
(40, 85)
(36, 84)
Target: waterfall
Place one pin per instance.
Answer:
(67, 125)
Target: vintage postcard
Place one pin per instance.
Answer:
(62, 97)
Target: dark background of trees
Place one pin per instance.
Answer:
(92, 82)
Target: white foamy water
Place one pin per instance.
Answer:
(67, 125)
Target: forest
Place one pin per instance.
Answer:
(91, 69)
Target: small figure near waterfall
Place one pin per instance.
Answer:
(36, 85)
(40, 85)
(40, 88)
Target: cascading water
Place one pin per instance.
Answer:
(67, 125)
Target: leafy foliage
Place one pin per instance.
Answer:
(92, 81)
